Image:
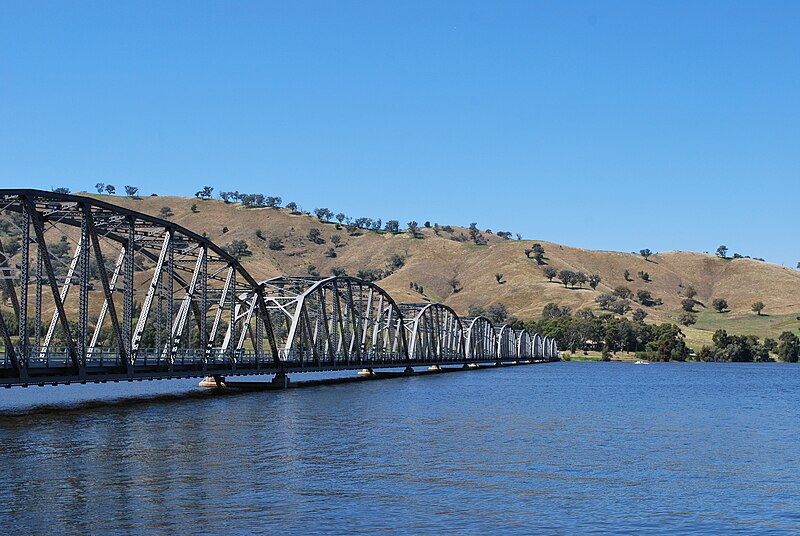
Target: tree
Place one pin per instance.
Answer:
(722, 252)
(550, 273)
(594, 280)
(567, 277)
(497, 313)
(644, 297)
(396, 262)
(645, 253)
(690, 292)
(644, 276)
(275, 244)
(688, 305)
(639, 315)
(338, 272)
(719, 305)
(131, 191)
(528, 252)
(100, 187)
(413, 228)
(499, 278)
(627, 275)
(314, 235)
(476, 310)
(757, 307)
(224, 229)
(238, 249)
(789, 347)
(330, 253)
(552, 310)
(323, 214)
(312, 270)
(455, 284)
(336, 240)
(623, 292)
(165, 212)
(205, 193)
(292, 206)
(194, 208)
(392, 226)
(61, 190)
(110, 189)
(340, 217)
(581, 278)
(687, 318)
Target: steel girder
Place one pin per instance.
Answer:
(144, 289)
(335, 321)
(93, 290)
(435, 333)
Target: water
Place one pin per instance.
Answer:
(556, 448)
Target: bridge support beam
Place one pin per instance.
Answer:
(435, 368)
(409, 370)
(366, 372)
(281, 381)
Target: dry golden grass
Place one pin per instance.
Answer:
(433, 260)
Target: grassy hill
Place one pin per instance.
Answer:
(433, 260)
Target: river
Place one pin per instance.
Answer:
(553, 448)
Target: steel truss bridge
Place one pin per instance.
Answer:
(94, 292)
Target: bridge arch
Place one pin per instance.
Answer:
(506, 342)
(480, 339)
(435, 332)
(524, 345)
(334, 321)
(148, 291)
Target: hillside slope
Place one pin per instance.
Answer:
(432, 261)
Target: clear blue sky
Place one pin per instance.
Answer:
(607, 125)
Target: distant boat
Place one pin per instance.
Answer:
(640, 362)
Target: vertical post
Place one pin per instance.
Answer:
(23, 285)
(83, 303)
(127, 305)
(204, 301)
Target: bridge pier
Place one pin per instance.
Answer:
(409, 370)
(435, 368)
(366, 372)
(281, 381)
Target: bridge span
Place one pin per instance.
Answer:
(94, 292)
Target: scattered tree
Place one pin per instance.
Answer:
(61, 190)
(719, 305)
(644, 276)
(330, 253)
(314, 235)
(396, 262)
(757, 307)
(722, 252)
(644, 297)
(110, 189)
(101, 186)
(690, 292)
(238, 249)
(639, 315)
(552, 310)
(687, 318)
(275, 244)
(594, 280)
(336, 271)
(687, 304)
(645, 253)
(499, 278)
(623, 292)
(292, 206)
(312, 270)
(340, 217)
(224, 229)
(455, 284)
(165, 212)
(336, 240)
(205, 193)
(627, 275)
(194, 208)
(131, 191)
(392, 226)
(413, 228)
(550, 273)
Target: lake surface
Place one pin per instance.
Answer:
(553, 448)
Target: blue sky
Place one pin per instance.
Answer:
(607, 125)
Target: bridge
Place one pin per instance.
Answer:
(95, 292)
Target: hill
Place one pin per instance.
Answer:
(439, 256)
